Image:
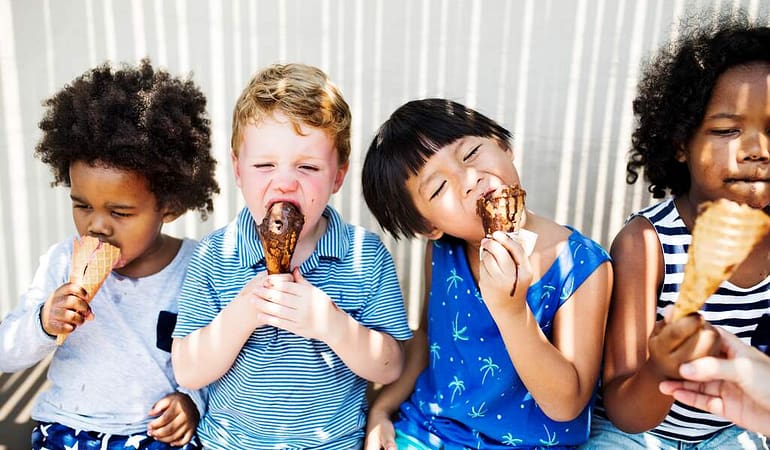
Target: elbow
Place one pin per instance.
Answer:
(393, 367)
(185, 375)
(561, 413)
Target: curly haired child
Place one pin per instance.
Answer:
(287, 357)
(132, 145)
(703, 134)
(489, 367)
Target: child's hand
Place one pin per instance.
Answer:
(673, 344)
(299, 307)
(380, 433)
(65, 310)
(177, 421)
(504, 272)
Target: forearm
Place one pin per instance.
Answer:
(635, 403)
(392, 395)
(23, 343)
(204, 355)
(552, 379)
(373, 355)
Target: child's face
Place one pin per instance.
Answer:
(117, 206)
(729, 155)
(446, 188)
(275, 163)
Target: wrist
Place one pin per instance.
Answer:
(40, 321)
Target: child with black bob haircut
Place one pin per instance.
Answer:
(703, 134)
(490, 366)
(133, 146)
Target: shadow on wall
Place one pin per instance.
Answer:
(18, 392)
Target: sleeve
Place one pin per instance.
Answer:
(384, 310)
(198, 304)
(23, 343)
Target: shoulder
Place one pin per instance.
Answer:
(637, 235)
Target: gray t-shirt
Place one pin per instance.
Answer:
(110, 371)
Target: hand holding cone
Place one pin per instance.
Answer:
(280, 231)
(92, 261)
(723, 236)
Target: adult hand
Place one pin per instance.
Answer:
(734, 386)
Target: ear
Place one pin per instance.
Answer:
(681, 154)
(434, 234)
(236, 169)
(339, 177)
(170, 216)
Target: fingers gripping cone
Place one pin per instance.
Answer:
(92, 261)
(280, 231)
(723, 236)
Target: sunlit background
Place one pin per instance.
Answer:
(560, 74)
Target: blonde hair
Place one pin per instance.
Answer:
(300, 92)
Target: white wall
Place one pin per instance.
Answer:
(560, 74)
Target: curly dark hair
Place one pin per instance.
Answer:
(675, 89)
(401, 147)
(137, 119)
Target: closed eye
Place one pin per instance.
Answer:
(725, 131)
(308, 167)
(471, 153)
(438, 190)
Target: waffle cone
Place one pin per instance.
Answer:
(280, 231)
(502, 209)
(723, 236)
(92, 262)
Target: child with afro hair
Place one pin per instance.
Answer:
(132, 144)
(703, 134)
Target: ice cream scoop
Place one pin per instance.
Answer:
(280, 231)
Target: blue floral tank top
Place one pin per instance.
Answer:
(470, 395)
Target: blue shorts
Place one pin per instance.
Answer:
(604, 435)
(54, 436)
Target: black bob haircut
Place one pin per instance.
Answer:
(403, 144)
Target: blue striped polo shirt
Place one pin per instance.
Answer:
(283, 390)
(734, 308)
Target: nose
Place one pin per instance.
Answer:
(758, 149)
(285, 181)
(99, 225)
(472, 179)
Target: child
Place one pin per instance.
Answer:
(133, 147)
(506, 368)
(287, 357)
(703, 125)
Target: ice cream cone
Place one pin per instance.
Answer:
(280, 231)
(502, 209)
(723, 236)
(92, 261)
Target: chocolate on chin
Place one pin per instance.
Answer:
(502, 209)
(280, 231)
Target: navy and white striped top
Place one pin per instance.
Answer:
(285, 391)
(736, 309)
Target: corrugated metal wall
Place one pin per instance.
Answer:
(560, 74)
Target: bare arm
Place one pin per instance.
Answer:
(631, 395)
(204, 355)
(641, 353)
(379, 426)
(561, 376)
